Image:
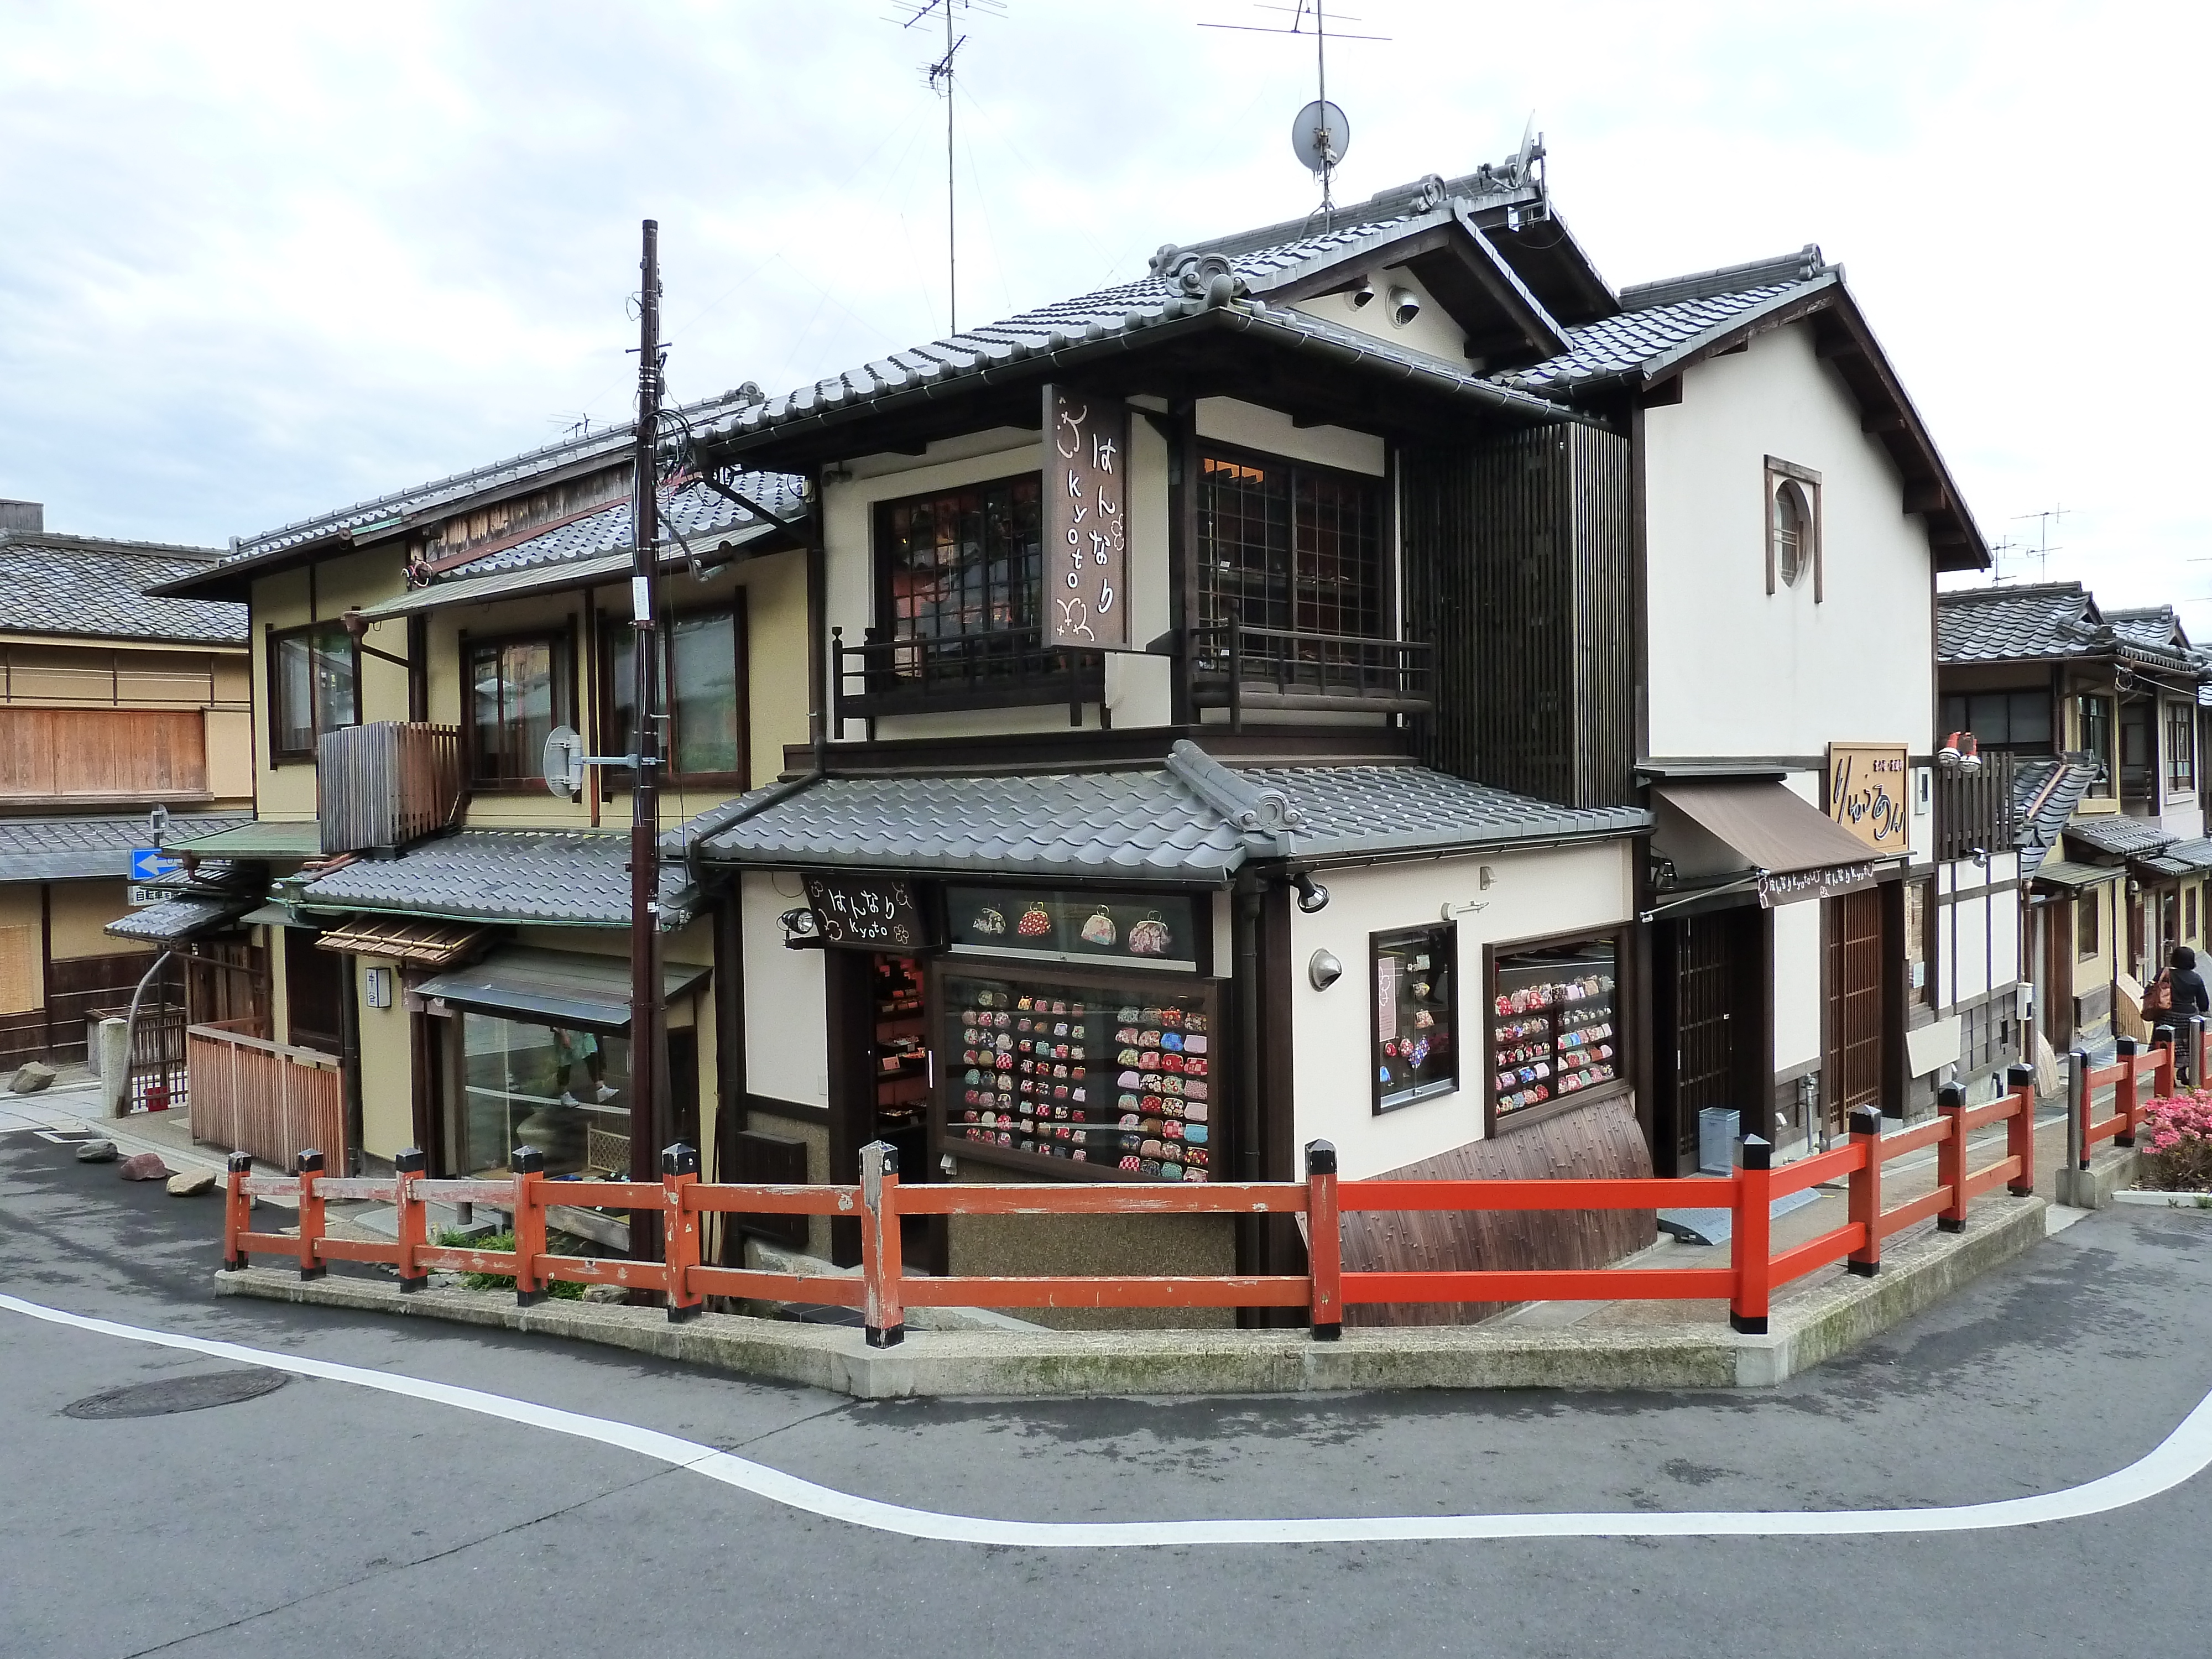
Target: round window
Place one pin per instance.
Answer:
(1791, 520)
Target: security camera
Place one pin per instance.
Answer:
(1405, 306)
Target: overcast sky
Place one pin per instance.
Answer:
(259, 262)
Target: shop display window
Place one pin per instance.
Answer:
(566, 1092)
(1554, 1027)
(1093, 1076)
(1415, 1055)
(1137, 930)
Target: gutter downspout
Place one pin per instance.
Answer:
(1244, 945)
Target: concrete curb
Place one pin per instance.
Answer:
(2112, 1169)
(1830, 1314)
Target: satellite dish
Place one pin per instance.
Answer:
(564, 762)
(1320, 136)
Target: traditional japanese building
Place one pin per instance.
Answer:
(117, 711)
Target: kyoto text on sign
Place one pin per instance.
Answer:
(1086, 542)
(861, 913)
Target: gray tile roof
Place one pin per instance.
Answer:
(569, 878)
(709, 522)
(1169, 823)
(2123, 837)
(177, 919)
(2155, 628)
(2197, 855)
(2045, 791)
(2065, 872)
(611, 444)
(2031, 623)
(77, 849)
(1615, 345)
(83, 586)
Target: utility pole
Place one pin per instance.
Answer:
(648, 1050)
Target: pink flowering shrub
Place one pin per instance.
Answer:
(2176, 1141)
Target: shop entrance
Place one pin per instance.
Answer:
(1712, 975)
(879, 1087)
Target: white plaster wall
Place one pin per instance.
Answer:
(1532, 894)
(1269, 431)
(1734, 671)
(786, 1020)
(1796, 983)
(1433, 331)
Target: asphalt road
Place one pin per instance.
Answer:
(325, 1520)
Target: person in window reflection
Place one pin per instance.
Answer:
(2186, 994)
(568, 1048)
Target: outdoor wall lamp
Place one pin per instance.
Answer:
(1961, 753)
(1312, 896)
(802, 930)
(1324, 971)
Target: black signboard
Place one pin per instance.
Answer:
(1087, 543)
(867, 913)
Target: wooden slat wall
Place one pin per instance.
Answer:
(250, 1099)
(386, 784)
(1517, 570)
(105, 754)
(80, 988)
(1596, 1142)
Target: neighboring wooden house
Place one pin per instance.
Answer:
(113, 706)
(452, 937)
(2038, 673)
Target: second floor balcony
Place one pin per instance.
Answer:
(386, 784)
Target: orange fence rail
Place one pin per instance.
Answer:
(2123, 1078)
(882, 1291)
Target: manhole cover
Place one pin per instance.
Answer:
(178, 1393)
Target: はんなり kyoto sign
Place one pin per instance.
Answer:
(866, 913)
(1087, 543)
(1869, 794)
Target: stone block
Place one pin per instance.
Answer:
(31, 1076)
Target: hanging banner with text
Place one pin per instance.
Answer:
(1086, 542)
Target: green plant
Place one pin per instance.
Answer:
(453, 1238)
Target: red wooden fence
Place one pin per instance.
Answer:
(884, 1293)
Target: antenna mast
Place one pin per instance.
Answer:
(1320, 134)
(940, 75)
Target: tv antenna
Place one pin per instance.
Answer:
(2043, 550)
(1321, 133)
(940, 76)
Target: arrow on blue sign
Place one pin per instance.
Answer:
(151, 864)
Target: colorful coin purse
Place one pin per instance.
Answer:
(1098, 929)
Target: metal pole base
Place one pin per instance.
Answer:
(1862, 1269)
(684, 1315)
(234, 1264)
(1944, 1224)
(529, 1298)
(1747, 1325)
(313, 1273)
(408, 1287)
(888, 1337)
(1327, 1333)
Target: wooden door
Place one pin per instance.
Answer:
(1708, 1028)
(1852, 925)
(314, 985)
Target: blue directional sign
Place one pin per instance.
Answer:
(151, 864)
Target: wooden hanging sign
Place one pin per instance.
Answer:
(1086, 542)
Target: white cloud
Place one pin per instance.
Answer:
(259, 260)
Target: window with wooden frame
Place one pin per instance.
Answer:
(314, 680)
(1793, 527)
(959, 562)
(2018, 721)
(1288, 546)
(2180, 747)
(519, 688)
(1414, 983)
(2189, 913)
(2092, 724)
(2088, 917)
(704, 679)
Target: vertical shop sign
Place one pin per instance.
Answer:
(1087, 543)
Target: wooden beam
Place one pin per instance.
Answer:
(1927, 496)
(1885, 421)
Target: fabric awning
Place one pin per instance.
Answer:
(427, 943)
(173, 922)
(559, 988)
(1719, 828)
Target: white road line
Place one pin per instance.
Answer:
(2183, 1455)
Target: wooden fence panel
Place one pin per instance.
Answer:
(265, 1098)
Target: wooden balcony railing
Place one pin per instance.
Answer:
(1011, 669)
(1235, 667)
(270, 1099)
(1974, 811)
(386, 784)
